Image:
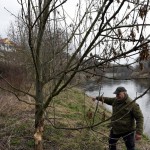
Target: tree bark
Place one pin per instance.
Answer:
(39, 128)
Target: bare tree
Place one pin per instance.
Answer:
(60, 46)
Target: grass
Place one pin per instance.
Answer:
(70, 109)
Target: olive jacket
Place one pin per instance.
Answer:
(126, 115)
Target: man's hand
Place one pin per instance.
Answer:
(100, 98)
(138, 136)
(93, 99)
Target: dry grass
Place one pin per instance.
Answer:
(15, 119)
(69, 110)
(9, 105)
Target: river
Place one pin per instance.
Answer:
(134, 89)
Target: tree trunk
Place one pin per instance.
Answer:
(39, 128)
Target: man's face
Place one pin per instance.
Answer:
(120, 96)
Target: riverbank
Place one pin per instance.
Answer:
(70, 110)
(140, 75)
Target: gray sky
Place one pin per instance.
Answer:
(5, 17)
(12, 5)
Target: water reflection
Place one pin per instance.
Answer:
(134, 89)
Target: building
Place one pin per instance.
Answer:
(7, 45)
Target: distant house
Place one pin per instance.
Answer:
(7, 49)
(7, 45)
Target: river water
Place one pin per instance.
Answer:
(134, 89)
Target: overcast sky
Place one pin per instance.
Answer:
(12, 5)
(5, 17)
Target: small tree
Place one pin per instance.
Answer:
(104, 31)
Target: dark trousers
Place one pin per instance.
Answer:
(127, 137)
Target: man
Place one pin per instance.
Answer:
(126, 121)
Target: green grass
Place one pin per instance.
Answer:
(71, 109)
(15, 141)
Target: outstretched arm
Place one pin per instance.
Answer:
(106, 100)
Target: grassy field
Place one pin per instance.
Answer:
(70, 110)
